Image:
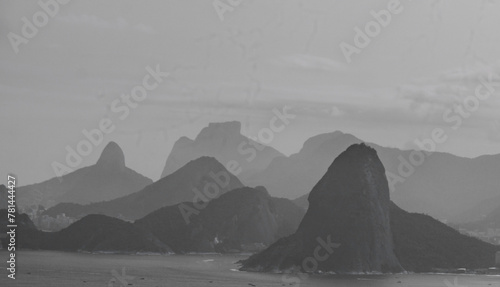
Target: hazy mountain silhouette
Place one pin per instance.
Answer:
(184, 185)
(225, 142)
(443, 186)
(348, 206)
(296, 175)
(108, 179)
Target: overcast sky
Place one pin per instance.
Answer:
(262, 55)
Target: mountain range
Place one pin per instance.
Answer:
(443, 186)
(349, 209)
(196, 181)
(244, 219)
(199, 205)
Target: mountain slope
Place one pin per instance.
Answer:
(424, 244)
(108, 179)
(224, 142)
(204, 175)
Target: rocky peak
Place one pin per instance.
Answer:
(217, 129)
(348, 206)
(358, 169)
(112, 157)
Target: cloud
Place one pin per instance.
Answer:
(448, 88)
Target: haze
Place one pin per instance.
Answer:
(264, 55)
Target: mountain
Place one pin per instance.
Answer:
(347, 220)
(199, 180)
(244, 219)
(93, 233)
(108, 179)
(224, 142)
(424, 244)
(99, 233)
(353, 191)
(27, 235)
(442, 186)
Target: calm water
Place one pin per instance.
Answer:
(41, 268)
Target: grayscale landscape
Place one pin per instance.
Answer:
(300, 143)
